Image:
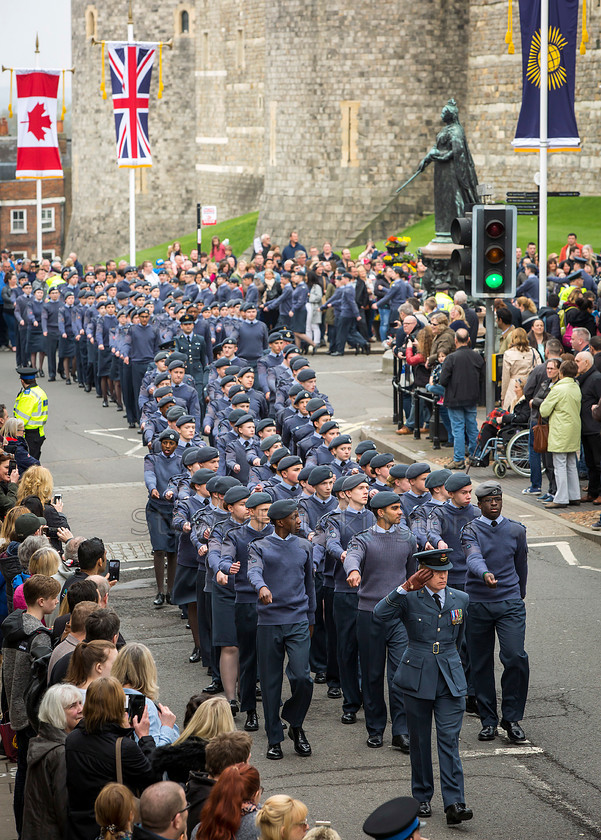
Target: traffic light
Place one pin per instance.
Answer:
(494, 230)
(460, 262)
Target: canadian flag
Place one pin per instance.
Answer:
(37, 144)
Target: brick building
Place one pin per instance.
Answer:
(18, 207)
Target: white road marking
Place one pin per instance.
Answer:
(77, 488)
(563, 548)
(515, 750)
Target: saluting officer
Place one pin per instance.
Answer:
(497, 563)
(431, 678)
(194, 348)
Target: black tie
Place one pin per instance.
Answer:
(494, 523)
(436, 597)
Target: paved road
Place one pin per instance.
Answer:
(547, 788)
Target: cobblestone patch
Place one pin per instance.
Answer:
(128, 551)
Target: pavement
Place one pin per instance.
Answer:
(548, 787)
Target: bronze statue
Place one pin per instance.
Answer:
(455, 179)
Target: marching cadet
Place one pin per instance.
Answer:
(158, 469)
(340, 527)
(417, 494)
(50, 329)
(364, 446)
(375, 561)
(184, 585)
(287, 486)
(243, 453)
(431, 678)
(264, 472)
(67, 327)
(313, 439)
(397, 479)
(280, 568)
(234, 554)
(258, 403)
(194, 348)
(31, 407)
(497, 570)
(418, 518)
(341, 448)
(380, 466)
(322, 454)
(179, 389)
(266, 364)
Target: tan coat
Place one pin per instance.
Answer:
(517, 364)
(505, 339)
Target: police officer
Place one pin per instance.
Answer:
(375, 560)
(395, 820)
(431, 678)
(280, 568)
(497, 562)
(31, 406)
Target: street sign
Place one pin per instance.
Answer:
(209, 215)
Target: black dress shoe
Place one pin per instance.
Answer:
(514, 731)
(320, 677)
(234, 707)
(88, 388)
(52, 379)
(375, 741)
(168, 598)
(119, 408)
(196, 655)
(349, 717)
(334, 693)
(252, 721)
(424, 810)
(258, 692)
(301, 746)
(401, 742)
(105, 404)
(471, 705)
(274, 752)
(488, 733)
(159, 601)
(67, 381)
(131, 425)
(216, 687)
(458, 812)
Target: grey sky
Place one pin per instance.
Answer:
(21, 19)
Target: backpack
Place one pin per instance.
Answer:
(37, 684)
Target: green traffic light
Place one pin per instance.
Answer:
(493, 281)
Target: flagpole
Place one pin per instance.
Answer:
(544, 154)
(132, 172)
(38, 181)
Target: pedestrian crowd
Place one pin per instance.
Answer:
(389, 576)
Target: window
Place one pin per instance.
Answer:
(18, 221)
(273, 110)
(184, 24)
(91, 22)
(204, 51)
(48, 218)
(49, 255)
(349, 128)
(240, 49)
(184, 19)
(19, 255)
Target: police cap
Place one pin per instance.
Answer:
(396, 818)
(436, 559)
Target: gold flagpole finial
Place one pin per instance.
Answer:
(37, 43)
(130, 13)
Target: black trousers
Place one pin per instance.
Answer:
(592, 455)
(332, 673)
(318, 642)
(51, 351)
(35, 442)
(274, 643)
(246, 631)
(345, 617)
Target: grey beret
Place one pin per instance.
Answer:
(457, 482)
(438, 478)
(282, 508)
(419, 468)
(383, 499)
(489, 488)
(319, 474)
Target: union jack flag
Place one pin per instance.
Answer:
(131, 71)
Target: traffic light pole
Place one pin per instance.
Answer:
(489, 349)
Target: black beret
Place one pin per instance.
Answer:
(207, 453)
(337, 487)
(328, 426)
(168, 434)
(246, 418)
(190, 456)
(227, 379)
(278, 455)
(339, 441)
(269, 441)
(302, 395)
(299, 363)
(364, 446)
(282, 508)
(265, 424)
(457, 482)
(236, 494)
(383, 499)
(352, 481)
(419, 468)
(321, 412)
(289, 461)
(175, 412)
(201, 476)
(319, 474)
(256, 499)
(241, 397)
(367, 457)
(437, 478)
(381, 460)
(396, 818)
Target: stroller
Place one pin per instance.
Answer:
(504, 435)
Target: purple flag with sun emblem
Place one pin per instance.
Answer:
(563, 26)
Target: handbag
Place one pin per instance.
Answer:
(9, 741)
(540, 436)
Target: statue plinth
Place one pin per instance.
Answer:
(436, 257)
